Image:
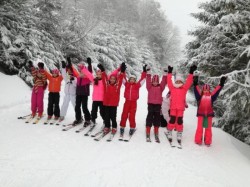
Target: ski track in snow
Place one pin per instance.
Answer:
(45, 156)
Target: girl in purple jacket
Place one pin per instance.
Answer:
(155, 90)
(205, 99)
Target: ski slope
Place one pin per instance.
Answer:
(45, 156)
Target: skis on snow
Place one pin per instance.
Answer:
(70, 126)
(90, 130)
(170, 140)
(102, 135)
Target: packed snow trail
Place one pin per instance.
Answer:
(40, 155)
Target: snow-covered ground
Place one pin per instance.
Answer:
(45, 156)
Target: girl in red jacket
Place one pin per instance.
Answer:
(205, 112)
(177, 101)
(55, 80)
(155, 90)
(131, 94)
(111, 98)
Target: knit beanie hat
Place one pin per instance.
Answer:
(179, 77)
(155, 78)
(205, 87)
(55, 71)
(132, 76)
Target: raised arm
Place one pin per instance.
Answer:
(163, 82)
(120, 78)
(189, 82)
(142, 79)
(64, 74)
(48, 75)
(215, 93)
(197, 92)
(148, 82)
(88, 74)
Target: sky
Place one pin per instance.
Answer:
(178, 11)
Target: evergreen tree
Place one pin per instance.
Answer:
(220, 47)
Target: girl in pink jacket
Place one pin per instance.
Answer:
(177, 101)
(205, 99)
(98, 92)
(155, 90)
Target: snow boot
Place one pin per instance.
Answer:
(122, 130)
(179, 137)
(131, 131)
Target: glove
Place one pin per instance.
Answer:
(123, 67)
(30, 63)
(69, 61)
(41, 65)
(89, 61)
(100, 66)
(145, 68)
(170, 69)
(222, 81)
(195, 81)
(192, 69)
(63, 64)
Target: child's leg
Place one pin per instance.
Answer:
(208, 132)
(113, 112)
(125, 112)
(179, 120)
(56, 104)
(78, 107)
(40, 95)
(150, 116)
(101, 108)
(34, 102)
(50, 104)
(107, 116)
(171, 124)
(73, 100)
(132, 112)
(85, 109)
(65, 105)
(94, 110)
(157, 118)
(199, 131)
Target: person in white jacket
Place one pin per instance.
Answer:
(69, 89)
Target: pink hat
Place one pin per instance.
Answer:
(155, 78)
(206, 87)
(55, 71)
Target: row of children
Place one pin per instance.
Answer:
(106, 96)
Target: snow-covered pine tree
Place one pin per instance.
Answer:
(22, 40)
(221, 47)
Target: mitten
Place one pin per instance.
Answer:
(195, 81)
(100, 66)
(123, 67)
(170, 69)
(192, 69)
(30, 63)
(89, 61)
(63, 64)
(145, 68)
(69, 61)
(222, 81)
